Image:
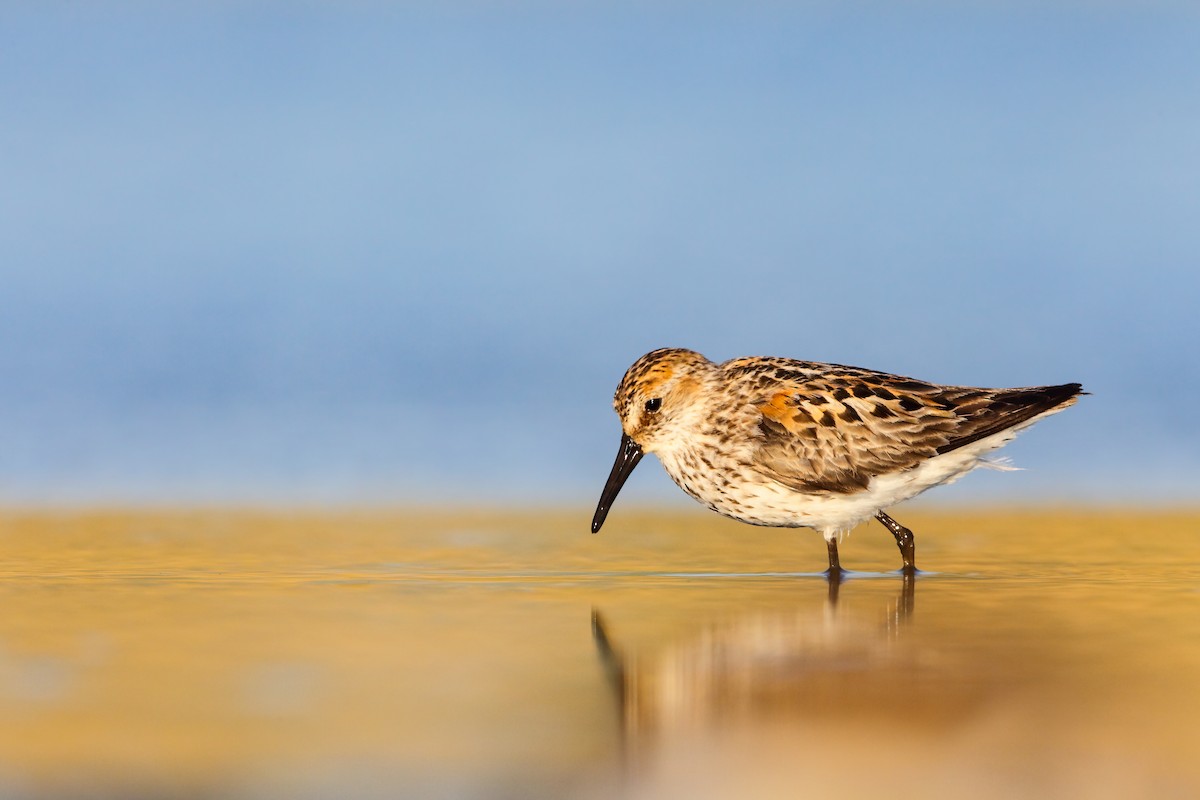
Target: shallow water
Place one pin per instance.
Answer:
(246, 655)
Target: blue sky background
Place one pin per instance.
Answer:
(337, 253)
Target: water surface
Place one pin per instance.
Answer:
(426, 654)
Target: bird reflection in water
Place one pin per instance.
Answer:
(757, 668)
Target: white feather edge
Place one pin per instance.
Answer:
(1000, 463)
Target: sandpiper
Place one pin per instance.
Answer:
(787, 443)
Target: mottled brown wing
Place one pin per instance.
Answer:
(827, 428)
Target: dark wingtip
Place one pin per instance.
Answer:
(1068, 390)
(1014, 406)
(1044, 398)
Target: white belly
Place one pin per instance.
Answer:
(749, 496)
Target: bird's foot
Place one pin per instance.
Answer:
(836, 574)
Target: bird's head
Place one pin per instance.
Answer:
(657, 401)
(658, 395)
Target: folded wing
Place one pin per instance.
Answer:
(827, 428)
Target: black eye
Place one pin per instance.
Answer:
(654, 404)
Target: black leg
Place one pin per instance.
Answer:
(835, 567)
(904, 540)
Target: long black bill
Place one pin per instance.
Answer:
(627, 458)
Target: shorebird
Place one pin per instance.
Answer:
(787, 443)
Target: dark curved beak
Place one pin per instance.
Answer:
(627, 458)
